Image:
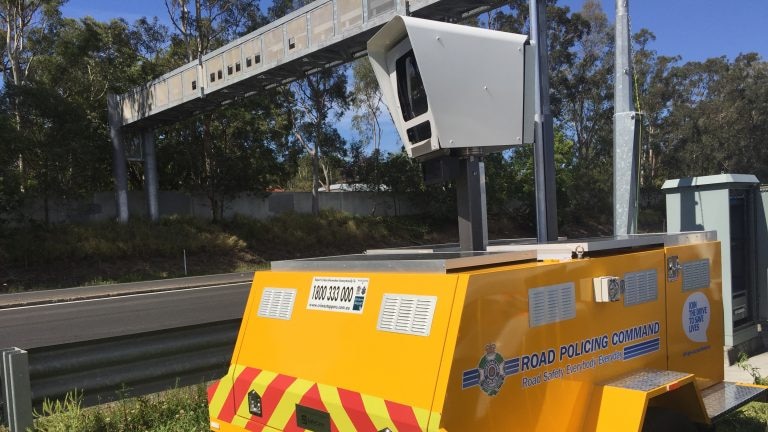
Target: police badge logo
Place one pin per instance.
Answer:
(491, 369)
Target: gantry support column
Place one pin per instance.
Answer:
(120, 163)
(150, 174)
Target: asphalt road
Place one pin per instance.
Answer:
(42, 325)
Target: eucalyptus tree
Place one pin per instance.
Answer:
(65, 144)
(214, 153)
(511, 177)
(56, 74)
(718, 122)
(320, 100)
(10, 191)
(203, 25)
(19, 22)
(366, 100)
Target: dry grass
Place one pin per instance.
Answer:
(62, 256)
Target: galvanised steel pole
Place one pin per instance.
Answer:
(471, 200)
(626, 130)
(544, 146)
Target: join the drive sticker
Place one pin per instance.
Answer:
(696, 315)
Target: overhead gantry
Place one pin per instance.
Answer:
(322, 34)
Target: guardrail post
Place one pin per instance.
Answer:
(17, 392)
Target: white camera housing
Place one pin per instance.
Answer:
(451, 86)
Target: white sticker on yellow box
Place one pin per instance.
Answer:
(696, 314)
(338, 294)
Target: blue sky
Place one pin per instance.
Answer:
(693, 29)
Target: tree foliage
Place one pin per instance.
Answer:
(320, 100)
(699, 118)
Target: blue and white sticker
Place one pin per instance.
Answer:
(696, 316)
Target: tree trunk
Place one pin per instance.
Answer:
(315, 181)
(20, 162)
(15, 26)
(208, 182)
(198, 24)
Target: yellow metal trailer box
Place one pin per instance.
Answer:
(557, 337)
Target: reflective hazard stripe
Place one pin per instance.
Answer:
(434, 421)
(422, 417)
(267, 381)
(353, 406)
(247, 376)
(348, 410)
(403, 417)
(312, 399)
(253, 426)
(287, 405)
(377, 411)
(335, 406)
(212, 390)
(222, 404)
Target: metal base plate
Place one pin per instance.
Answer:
(647, 379)
(725, 397)
(437, 262)
(448, 257)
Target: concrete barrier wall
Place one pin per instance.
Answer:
(101, 206)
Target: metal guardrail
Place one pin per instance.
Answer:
(107, 369)
(17, 404)
(31, 298)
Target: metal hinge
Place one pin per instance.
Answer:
(673, 268)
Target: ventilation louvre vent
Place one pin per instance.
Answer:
(407, 314)
(696, 275)
(277, 303)
(640, 287)
(551, 304)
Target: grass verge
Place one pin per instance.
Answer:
(179, 410)
(753, 417)
(61, 256)
(185, 410)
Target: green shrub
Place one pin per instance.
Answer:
(178, 410)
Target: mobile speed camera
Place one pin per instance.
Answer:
(451, 86)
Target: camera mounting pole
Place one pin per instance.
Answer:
(626, 131)
(544, 146)
(471, 203)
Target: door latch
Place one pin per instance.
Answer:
(673, 268)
